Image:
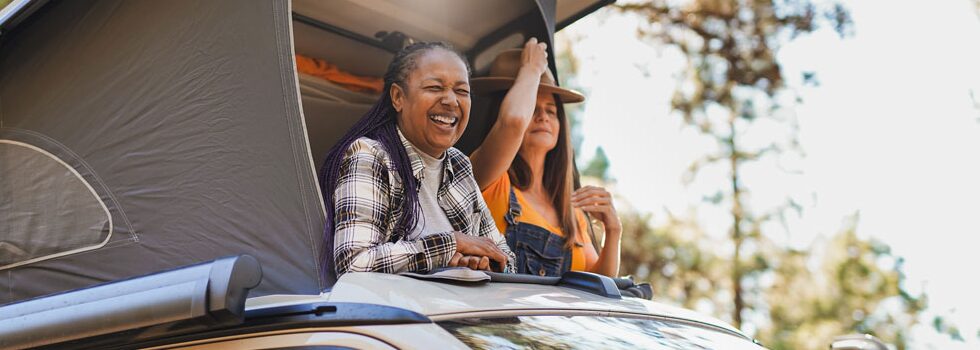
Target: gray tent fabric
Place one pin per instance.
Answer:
(68, 218)
(184, 117)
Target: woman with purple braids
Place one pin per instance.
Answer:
(400, 197)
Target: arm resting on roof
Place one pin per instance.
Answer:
(363, 238)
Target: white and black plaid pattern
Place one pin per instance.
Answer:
(367, 207)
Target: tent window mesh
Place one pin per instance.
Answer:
(46, 208)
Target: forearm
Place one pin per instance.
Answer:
(517, 107)
(422, 254)
(503, 141)
(609, 255)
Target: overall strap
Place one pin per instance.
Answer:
(513, 209)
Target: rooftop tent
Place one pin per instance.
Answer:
(138, 136)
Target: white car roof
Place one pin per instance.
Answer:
(445, 300)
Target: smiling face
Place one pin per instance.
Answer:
(542, 134)
(433, 102)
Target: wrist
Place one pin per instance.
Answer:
(613, 231)
(531, 71)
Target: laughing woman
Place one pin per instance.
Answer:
(400, 197)
(524, 170)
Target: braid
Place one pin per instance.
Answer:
(379, 124)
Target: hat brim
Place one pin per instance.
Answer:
(486, 85)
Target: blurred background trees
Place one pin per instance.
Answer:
(789, 298)
(732, 80)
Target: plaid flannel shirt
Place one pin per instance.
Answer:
(367, 207)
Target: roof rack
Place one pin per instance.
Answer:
(187, 299)
(593, 283)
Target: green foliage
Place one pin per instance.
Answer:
(732, 80)
(844, 285)
(795, 299)
(568, 65)
(676, 259)
(598, 167)
(855, 287)
(942, 326)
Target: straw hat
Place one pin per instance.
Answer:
(504, 70)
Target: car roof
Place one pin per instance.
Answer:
(439, 300)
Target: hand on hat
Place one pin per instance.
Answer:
(534, 56)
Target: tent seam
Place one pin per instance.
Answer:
(291, 128)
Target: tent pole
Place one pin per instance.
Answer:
(344, 32)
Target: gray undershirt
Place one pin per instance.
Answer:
(433, 219)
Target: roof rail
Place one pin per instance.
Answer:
(584, 281)
(181, 300)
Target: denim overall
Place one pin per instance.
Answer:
(539, 252)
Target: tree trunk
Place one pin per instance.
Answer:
(736, 225)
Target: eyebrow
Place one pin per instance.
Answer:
(440, 81)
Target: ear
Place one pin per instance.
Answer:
(397, 97)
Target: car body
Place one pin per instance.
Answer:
(363, 310)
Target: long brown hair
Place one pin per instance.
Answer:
(558, 178)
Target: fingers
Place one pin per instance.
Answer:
(591, 195)
(464, 261)
(530, 43)
(535, 54)
(533, 42)
(479, 246)
(454, 261)
(590, 191)
(473, 262)
(592, 201)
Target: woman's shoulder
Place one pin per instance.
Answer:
(499, 188)
(365, 147)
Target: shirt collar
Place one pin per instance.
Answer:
(418, 166)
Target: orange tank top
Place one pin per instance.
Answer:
(497, 196)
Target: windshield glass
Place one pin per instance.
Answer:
(588, 332)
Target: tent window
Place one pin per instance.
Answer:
(46, 208)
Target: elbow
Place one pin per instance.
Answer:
(350, 260)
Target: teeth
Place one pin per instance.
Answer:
(443, 119)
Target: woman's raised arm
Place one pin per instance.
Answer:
(498, 150)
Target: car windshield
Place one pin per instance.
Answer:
(588, 332)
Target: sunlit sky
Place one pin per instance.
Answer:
(891, 132)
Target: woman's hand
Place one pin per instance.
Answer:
(534, 57)
(598, 202)
(470, 247)
(471, 261)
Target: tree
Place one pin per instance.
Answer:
(857, 288)
(598, 167)
(568, 67)
(733, 79)
(676, 259)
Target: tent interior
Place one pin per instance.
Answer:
(360, 38)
